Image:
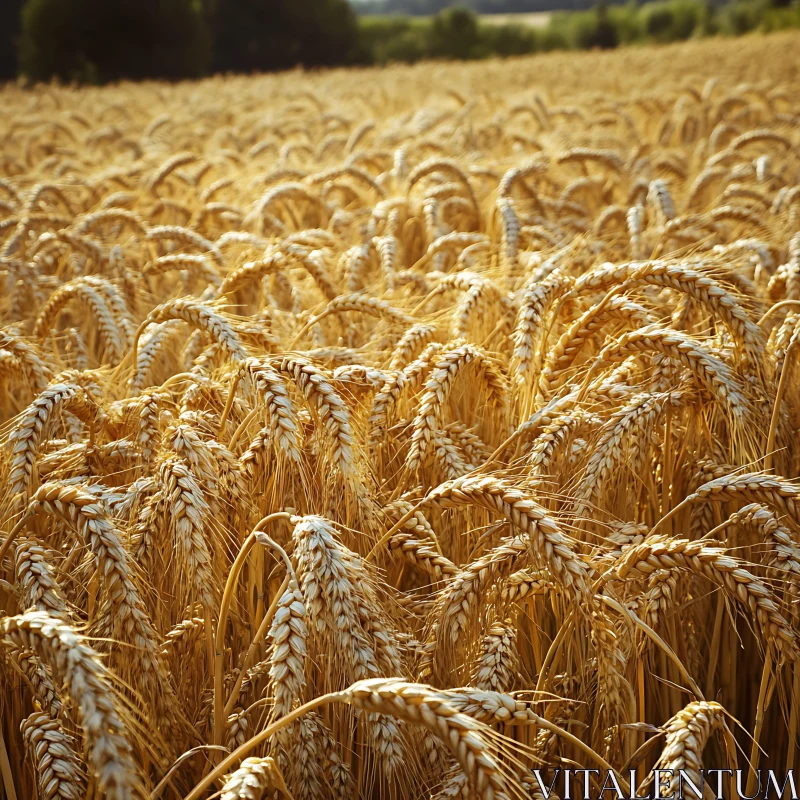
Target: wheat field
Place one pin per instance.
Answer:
(397, 433)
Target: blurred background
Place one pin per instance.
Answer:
(96, 41)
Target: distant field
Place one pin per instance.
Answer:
(536, 19)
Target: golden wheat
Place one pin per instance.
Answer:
(323, 395)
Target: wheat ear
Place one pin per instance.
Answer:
(89, 685)
(59, 773)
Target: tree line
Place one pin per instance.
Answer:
(106, 40)
(96, 41)
(432, 7)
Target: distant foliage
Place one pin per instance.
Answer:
(671, 21)
(430, 7)
(99, 40)
(454, 34)
(450, 34)
(394, 39)
(9, 31)
(258, 36)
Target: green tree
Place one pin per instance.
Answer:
(605, 34)
(9, 31)
(264, 35)
(509, 40)
(673, 21)
(106, 40)
(455, 34)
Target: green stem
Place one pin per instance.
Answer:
(224, 608)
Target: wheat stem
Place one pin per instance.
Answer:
(227, 598)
